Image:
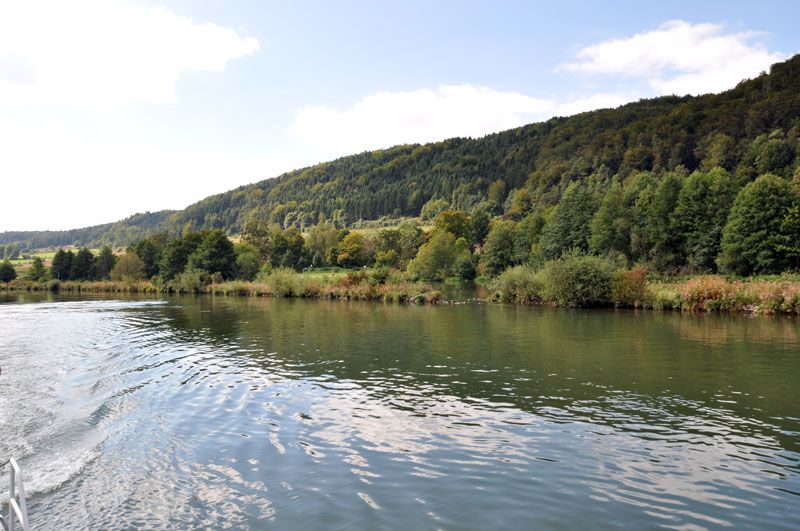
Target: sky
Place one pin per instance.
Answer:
(111, 107)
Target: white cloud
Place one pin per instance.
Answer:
(73, 154)
(679, 58)
(104, 52)
(389, 118)
(53, 180)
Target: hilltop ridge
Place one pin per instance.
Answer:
(656, 135)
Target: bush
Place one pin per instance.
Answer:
(283, 282)
(577, 280)
(518, 284)
(661, 297)
(629, 287)
(464, 268)
(190, 281)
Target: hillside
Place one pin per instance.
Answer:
(658, 135)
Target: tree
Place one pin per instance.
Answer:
(215, 254)
(752, 239)
(247, 262)
(149, 251)
(480, 219)
(176, 254)
(37, 271)
(7, 272)
(790, 230)
(700, 214)
(454, 222)
(296, 253)
(526, 236)
(321, 239)
(568, 226)
(610, 226)
(82, 265)
(128, 267)
(61, 268)
(666, 244)
(498, 253)
(410, 238)
(435, 257)
(104, 263)
(433, 208)
(352, 250)
(497, 191)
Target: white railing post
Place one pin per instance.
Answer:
(15, 508)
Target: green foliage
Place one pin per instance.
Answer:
(577, 280)
(352, 251)
(568, 226)
(82, 265)
(498, 253)
(322, 238)
(149, 251)
(526, 238)
(215, 254)
(410, 240)
(248, 263)
(129, 267)
(37, 272)
(190, 281)
(464, 268)
(283, 282)
(454, 222)
(435, 257)
(752, 238)
(176, 254)
(386, 258)
(433, 208)
(700, 214)
(610, 227)
(61, 267)
(480, 219)
(104, 263)
(790, 231)
(517, 284)
(497, 192)
(7, 272)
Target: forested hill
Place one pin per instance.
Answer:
(748, 130)
(121, 232)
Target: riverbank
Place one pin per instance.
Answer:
(626, 289)
(353, 286)
(575, 287)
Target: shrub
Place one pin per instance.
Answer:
(518, 284)
(464, 268)
(283, 282)
(577, 280)
(661, 297)
(628, 288)
(190, 281)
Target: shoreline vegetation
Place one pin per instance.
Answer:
(569, 282)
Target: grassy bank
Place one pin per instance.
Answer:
(280, 283)
(577, 282)
(571, 282)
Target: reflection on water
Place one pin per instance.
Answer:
(226, 412)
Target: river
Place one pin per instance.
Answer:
(195, 412)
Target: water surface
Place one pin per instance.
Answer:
(231, 412)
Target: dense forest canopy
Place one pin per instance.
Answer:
(602, 156)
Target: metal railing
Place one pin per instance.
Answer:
(17, 509)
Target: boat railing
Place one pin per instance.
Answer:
(17, 508)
